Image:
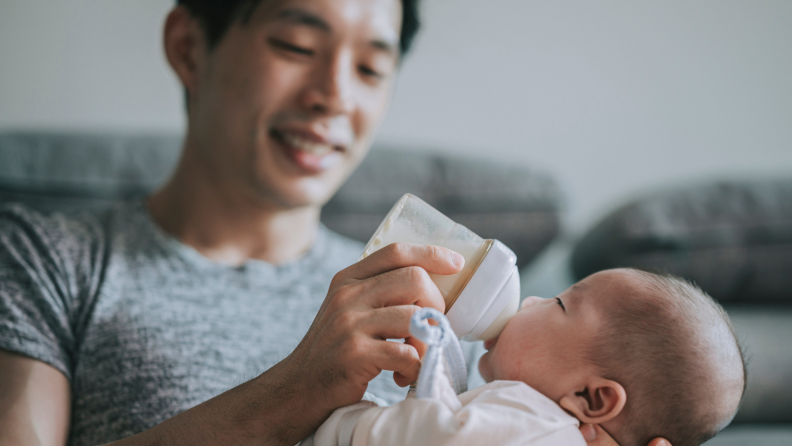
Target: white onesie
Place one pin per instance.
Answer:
(498, 413)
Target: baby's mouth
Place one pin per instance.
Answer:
(489, 344)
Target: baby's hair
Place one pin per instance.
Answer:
(675, 352)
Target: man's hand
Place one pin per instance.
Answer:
(368, 302)
(596, 436)
(344, 349)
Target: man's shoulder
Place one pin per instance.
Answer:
(22, 224)
(63, 237)
(56, 226)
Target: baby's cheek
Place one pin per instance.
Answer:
(506, 366)
(485, 369)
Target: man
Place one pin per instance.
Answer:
(133, 324)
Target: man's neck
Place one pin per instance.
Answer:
(228, 226)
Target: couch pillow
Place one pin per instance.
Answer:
(733, 238)
(52, 171)
(516, 205)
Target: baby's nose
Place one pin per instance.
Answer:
(530, 300)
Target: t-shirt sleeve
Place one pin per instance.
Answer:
(39, 257)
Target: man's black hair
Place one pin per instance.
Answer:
(217, 16)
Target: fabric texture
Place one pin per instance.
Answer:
(517, 205)
(443, 359)
(733, 238)
(520, 206)
(502, 412)
(145, 327)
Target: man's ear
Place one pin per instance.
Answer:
(601, 400)
(184, 44)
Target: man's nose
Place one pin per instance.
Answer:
(331, 91)
(531, 300)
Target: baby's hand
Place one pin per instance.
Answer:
(596, 436)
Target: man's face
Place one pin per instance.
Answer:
(285, 106)
(545, 344)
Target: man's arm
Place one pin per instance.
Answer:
(35, 402)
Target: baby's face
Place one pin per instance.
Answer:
(544, 345)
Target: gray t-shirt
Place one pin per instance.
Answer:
(145, 327)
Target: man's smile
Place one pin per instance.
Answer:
(308, 150)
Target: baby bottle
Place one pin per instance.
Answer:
(482, 297)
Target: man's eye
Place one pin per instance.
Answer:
(370, 73)
(291, 48)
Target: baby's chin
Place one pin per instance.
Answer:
(484, 369)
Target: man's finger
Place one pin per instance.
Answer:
(401, 380)
(405, 286)
(433, 259)
(400, 358)
(419, 346)
(387, 323)
(596, 436)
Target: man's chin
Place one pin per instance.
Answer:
(303, 194)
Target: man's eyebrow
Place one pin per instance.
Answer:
(302, 17)
(384, 45)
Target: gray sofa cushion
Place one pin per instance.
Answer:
(734, 239)
(61, 172)
(765, 332)
(517, 206)
(64, 171)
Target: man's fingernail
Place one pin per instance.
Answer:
(589, 433)
(662, 443)
(458, 260)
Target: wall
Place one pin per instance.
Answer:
(613, 97)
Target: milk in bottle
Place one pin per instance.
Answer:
(482, 297)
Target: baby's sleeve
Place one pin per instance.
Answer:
(493, 415)
(417, 422)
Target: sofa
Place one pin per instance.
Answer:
(681, 231)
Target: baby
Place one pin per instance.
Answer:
(640, 354)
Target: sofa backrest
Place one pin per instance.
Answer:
(61, 172)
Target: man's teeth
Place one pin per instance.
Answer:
(306, 145)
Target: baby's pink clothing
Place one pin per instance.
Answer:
(501, 412)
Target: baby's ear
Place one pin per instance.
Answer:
(601, 400)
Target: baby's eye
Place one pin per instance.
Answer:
(561, 303)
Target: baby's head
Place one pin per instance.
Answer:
(641, 354)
